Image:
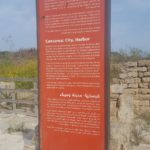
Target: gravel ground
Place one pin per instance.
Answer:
(17, 132)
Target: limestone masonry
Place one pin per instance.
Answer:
(134, 80)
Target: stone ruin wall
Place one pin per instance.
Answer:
(134, 80)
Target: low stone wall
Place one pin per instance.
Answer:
(134, 80)
(7, 85)
(17, 100)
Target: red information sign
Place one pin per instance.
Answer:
(72, 75)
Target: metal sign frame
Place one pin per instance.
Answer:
(106, 86)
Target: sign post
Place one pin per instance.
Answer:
(73, 40)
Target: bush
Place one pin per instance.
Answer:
(22, 64)
(26, 69)
(114, 71)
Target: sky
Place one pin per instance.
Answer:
(17, 24)
(130, 24)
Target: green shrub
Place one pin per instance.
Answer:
(114, 71)
(27, 68)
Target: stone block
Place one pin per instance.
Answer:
(7, 85)
(141, 74)
(134, 85)
(114, 96)
(133, 74)
(143, 109)
(149, 85)
(142, 63)
(136, 110)
(131, 91)
(4, 127)
(123, 75)
(145, 139)
(117, 88)
(113, 99)
(125, 113)
(144, 97)
(143, 103)
(24, 95)
(141, 69)
(146, 74)
(143, 85)
(146, 79)
(11, 142)
(135, 97)
(123, 69)
(144, 91)
(131, 64)
(122, 81)
(37, 138)
(113, 109)
(136, 103)
(115, 81)
(132, 80)
(132, 69)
